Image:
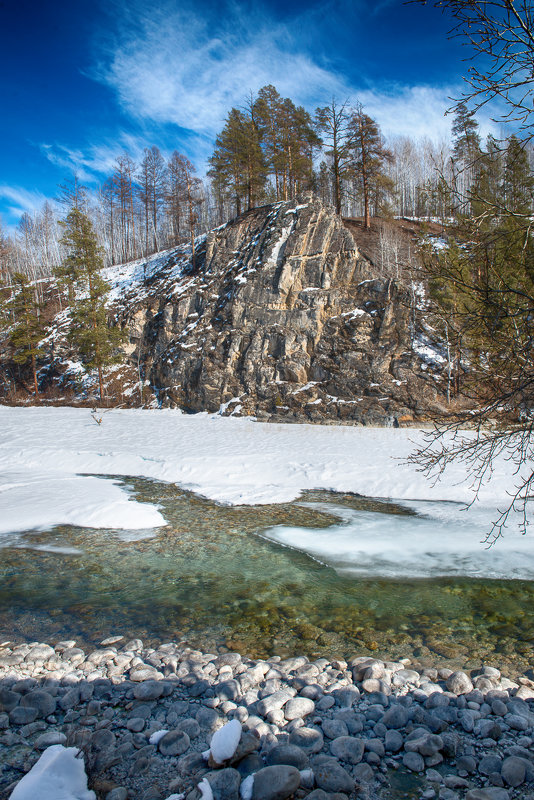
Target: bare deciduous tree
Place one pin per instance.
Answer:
(488, 280)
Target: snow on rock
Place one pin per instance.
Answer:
(305, 388)
(355, 313)
(224, 406)
(427, 350)
(124, 277)
(205, 790)
(278, 245)
(247, 787)
(58, 775)
(154, 739)
(224, 741)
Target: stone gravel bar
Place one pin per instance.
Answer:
(324, 730)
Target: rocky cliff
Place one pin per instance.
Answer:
(281, 316)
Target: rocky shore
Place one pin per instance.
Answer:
(150, 724)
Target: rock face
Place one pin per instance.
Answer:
(282, 317)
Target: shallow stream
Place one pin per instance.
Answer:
(329, 574)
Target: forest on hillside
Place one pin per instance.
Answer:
(270, 150)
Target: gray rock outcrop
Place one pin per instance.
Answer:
(282, 317)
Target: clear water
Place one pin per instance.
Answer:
(254, 579)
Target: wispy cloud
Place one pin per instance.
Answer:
(21, 200)
(185, 67)
(97, 160)
(176, 66)
(416, 111)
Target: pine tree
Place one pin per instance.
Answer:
(299, 141)
(465, 136)
(466, 154)
(268, 112)
(518, 181)
(499, 288)
(487, 191)
(73, 194)
(287, 139)
(90, 333)
(256, 171)
(484, 288)
(28, 328)
(369, 156)
(237, 166)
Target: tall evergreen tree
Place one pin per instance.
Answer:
(299, 141)
(90, 333)
(268, 111)
(369, 155)
(288, 140)
(237, 166)
(466, 155)
(518, 181)
(465, 136)
(27, 329)
(487, 190)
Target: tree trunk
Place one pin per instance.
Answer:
(34, 370)
(101, 384)
(337, 186)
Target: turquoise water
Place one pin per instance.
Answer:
(211, 578)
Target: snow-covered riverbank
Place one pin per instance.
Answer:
(49, 459)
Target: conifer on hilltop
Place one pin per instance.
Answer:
(27, 328)
(369, 157)
(89, 331)
(271, 138)
(237, 164)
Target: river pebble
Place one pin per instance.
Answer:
(327, 730)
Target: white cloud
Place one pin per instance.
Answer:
(97, 160)
(169, 67)
(18, 201)
(418, 111)
(21, 200)
(175, 65)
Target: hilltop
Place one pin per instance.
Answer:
(287, 313)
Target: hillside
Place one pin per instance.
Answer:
(281, 316)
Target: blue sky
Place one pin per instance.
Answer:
(84, 80)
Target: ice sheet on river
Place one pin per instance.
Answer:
(47, 456)
(440, 539)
